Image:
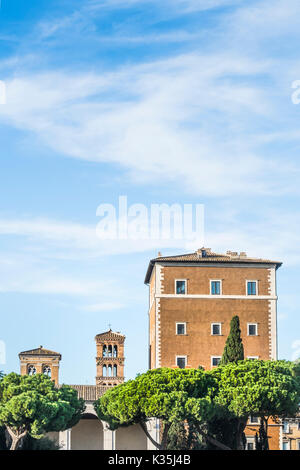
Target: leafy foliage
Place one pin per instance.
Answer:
(168, 394)
(257, 387)
(234, 349)
(197, 406)
(45, 443)
(183, 436)
(32, 404)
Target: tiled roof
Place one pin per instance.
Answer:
(89, 392)
(205, 255)
(110, 335)
(40, 352)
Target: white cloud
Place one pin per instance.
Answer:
(179, 120)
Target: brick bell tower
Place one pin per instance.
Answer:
(40, 361)
(110, 358)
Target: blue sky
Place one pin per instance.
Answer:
(181, 101)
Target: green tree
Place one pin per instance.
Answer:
(268, 389)
(184, 436)
(224, 428)
(45, 443)
(234, 349)
(33, 405)
(170, 395)
(261, 439)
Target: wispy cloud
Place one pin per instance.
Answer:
(179, 119)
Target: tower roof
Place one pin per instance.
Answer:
(205, 255)
(110, 335)
(40, 351)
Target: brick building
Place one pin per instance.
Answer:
(192, 299)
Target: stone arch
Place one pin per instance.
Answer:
(46, 369)
(31, 369)
(88, 434)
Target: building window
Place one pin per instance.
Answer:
(252, 358)
(252, 329)
(251, 287)
(104, 371)
(254, 420)
(286, 427)
(181, 361)
(104, 354)
(47, 371)
(250, 445)
(181, 328)
(216, 329)
(110, 350)
(115, 351)
(180, 286)
(31, 370)
(115, 371)
(215, 287)
(285, 445)
(215, 361)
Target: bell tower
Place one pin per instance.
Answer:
(40, 361)
(110, 358)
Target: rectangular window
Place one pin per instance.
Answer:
(285, 445)
(252, 329)
(286, 427)
(181, 361)
(251, 287)
(180, 328)
(254, 420)
(215, 361)
(180, 286)
(215, 287)
(252, 357)
(216, 328)
(250, 445)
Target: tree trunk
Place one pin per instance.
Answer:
(16, 438)
(265, 420)
(164, 440)
(144, 428)
(213, 440)
(239, 435)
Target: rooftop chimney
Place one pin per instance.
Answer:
(203, 252)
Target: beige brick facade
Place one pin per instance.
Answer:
(40, 361)
(198, 308)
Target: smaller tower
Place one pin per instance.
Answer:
(40, 361)
(110, 358)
